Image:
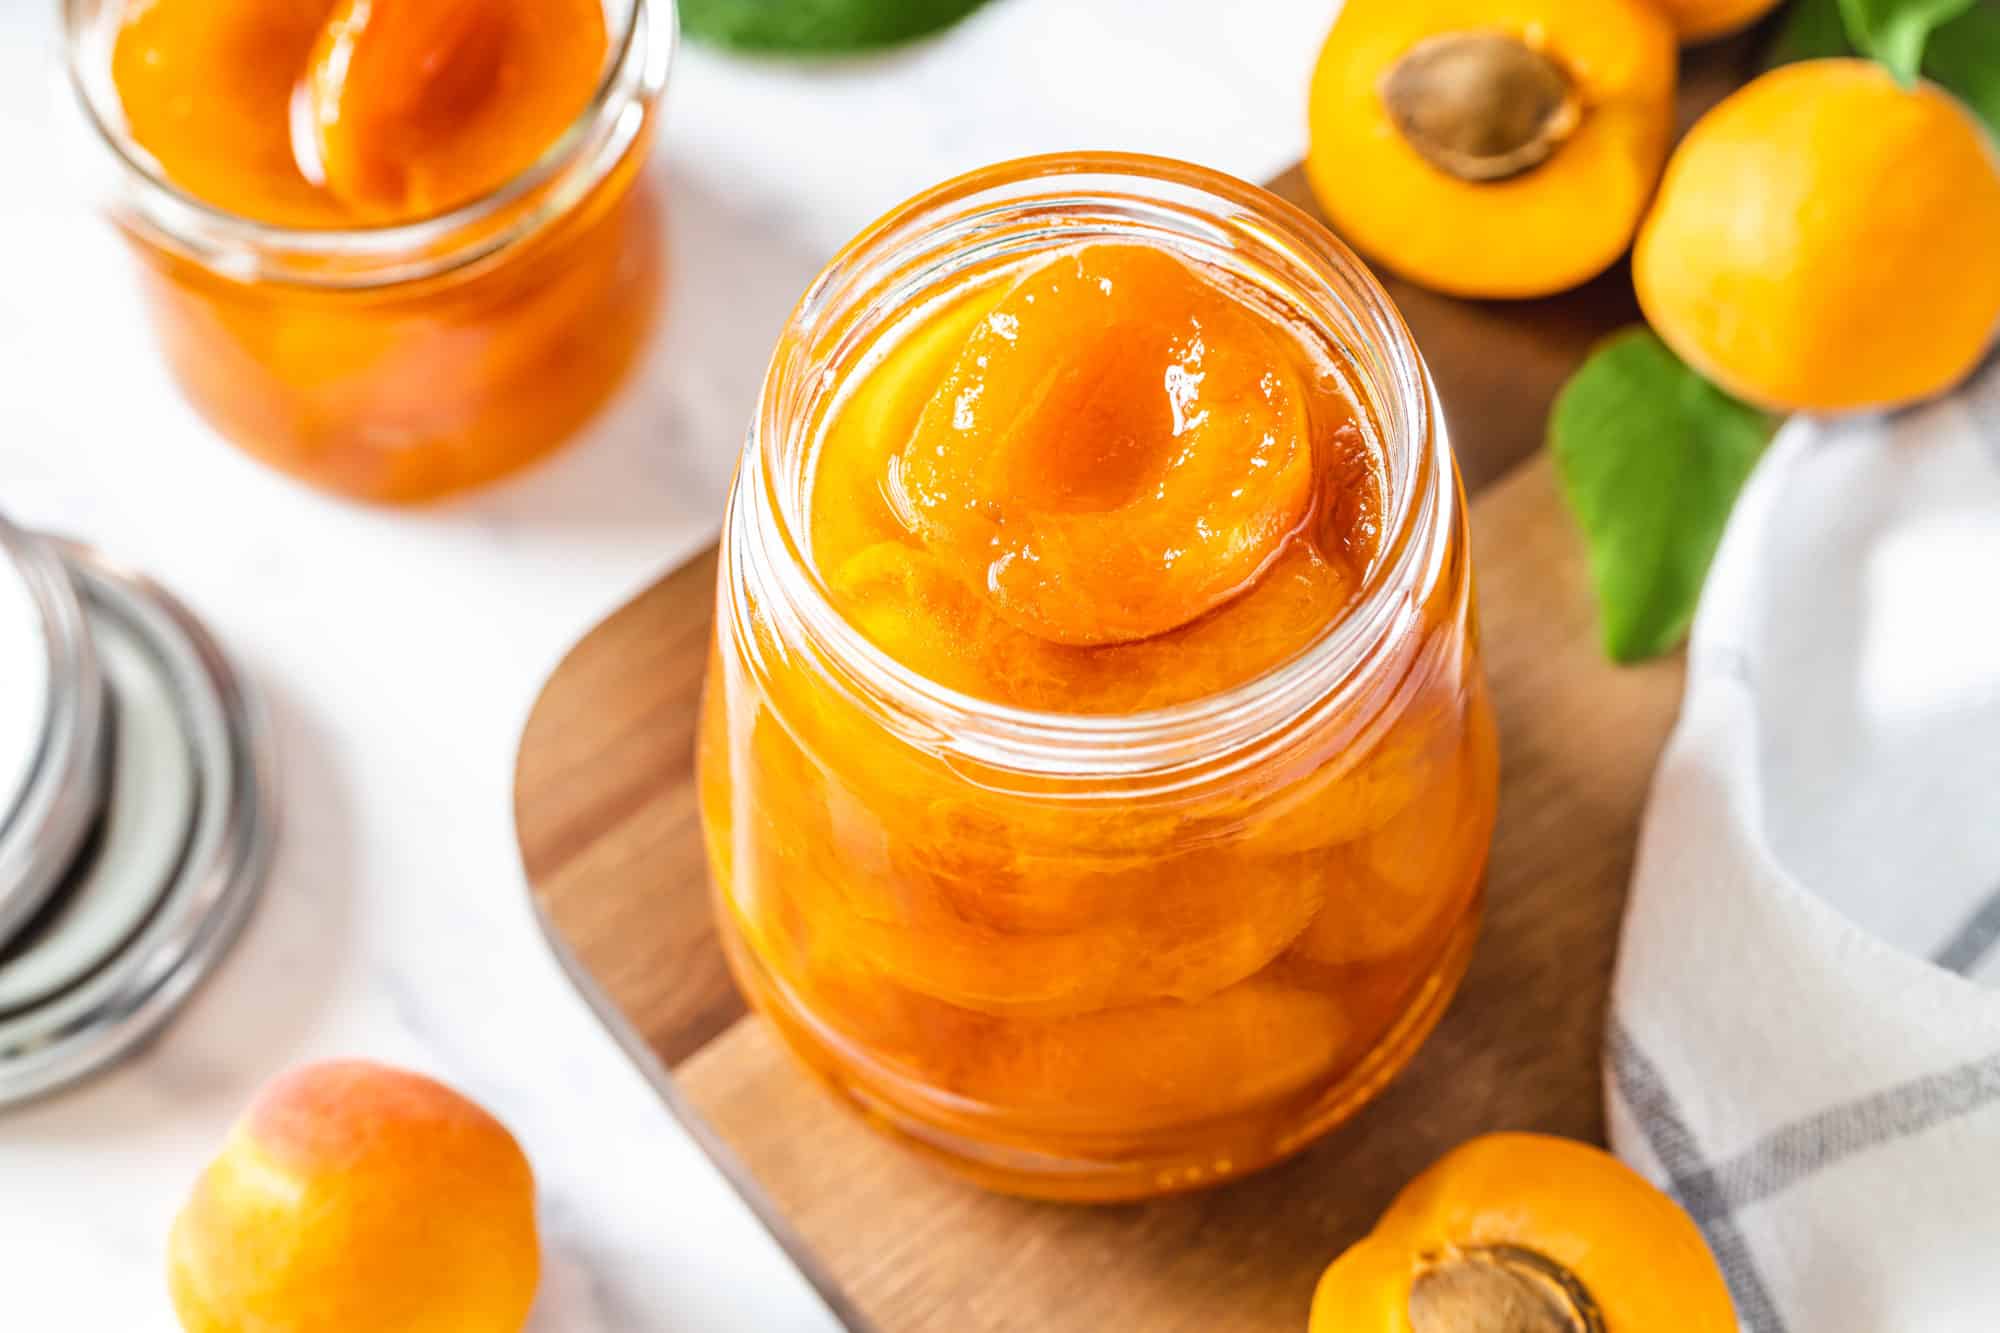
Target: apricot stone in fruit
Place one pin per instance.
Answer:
(1529, 1234)
(1487, 149)
(351, 1197)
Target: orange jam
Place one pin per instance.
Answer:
(421, 259)
(1114, 495)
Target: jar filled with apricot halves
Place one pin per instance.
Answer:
(393, 248)
(1096, 761)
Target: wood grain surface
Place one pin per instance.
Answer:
(605, 814)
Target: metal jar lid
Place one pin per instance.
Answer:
(163, 878)
(51, 732)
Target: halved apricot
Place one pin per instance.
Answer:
(908, 604)
(1180, 927)
(1120, 447)
(911, 606)
(1492, 148)
(1391, 886)
(412, 107)
(1295, 600)
(1158, 1063)
(1363, 787)
(866, 432)
(206, 87)
(1527, 1233)
(1372, 916)
(1121, 1071)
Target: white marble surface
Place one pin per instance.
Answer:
(400, 652)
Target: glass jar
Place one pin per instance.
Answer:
(1098, 957)
(395, 364)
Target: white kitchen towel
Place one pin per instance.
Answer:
(1804, 1044)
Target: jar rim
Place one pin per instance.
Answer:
(1174, 741)
(146, 201)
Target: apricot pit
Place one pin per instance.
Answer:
(1481, 105)
(1501, 1289)
(1525, 1233)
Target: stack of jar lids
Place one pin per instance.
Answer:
(135, 825)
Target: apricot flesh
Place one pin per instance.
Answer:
(318, 113)
(1119, 448)
(1393, 884)
(1636, 1259)
(975, 556)
(356, 1196)
(230, 146)
(905, 601)
(1562, 218)
(1154, 1063)
(412, 107)
(1145, 932)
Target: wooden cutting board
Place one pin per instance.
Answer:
(605, 813)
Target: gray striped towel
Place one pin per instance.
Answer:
(1805, 1033)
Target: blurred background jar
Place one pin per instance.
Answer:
(1095, 955)
(388, 329)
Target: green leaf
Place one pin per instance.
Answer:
(1963, 58)
(1812, 30)
(1650, 457)
(818, 25)
(1895, 31)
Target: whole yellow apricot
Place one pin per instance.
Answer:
(1491, 148)
(1705, 20)
(1531, 1234)
(1826, 240)
(350, 1197)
